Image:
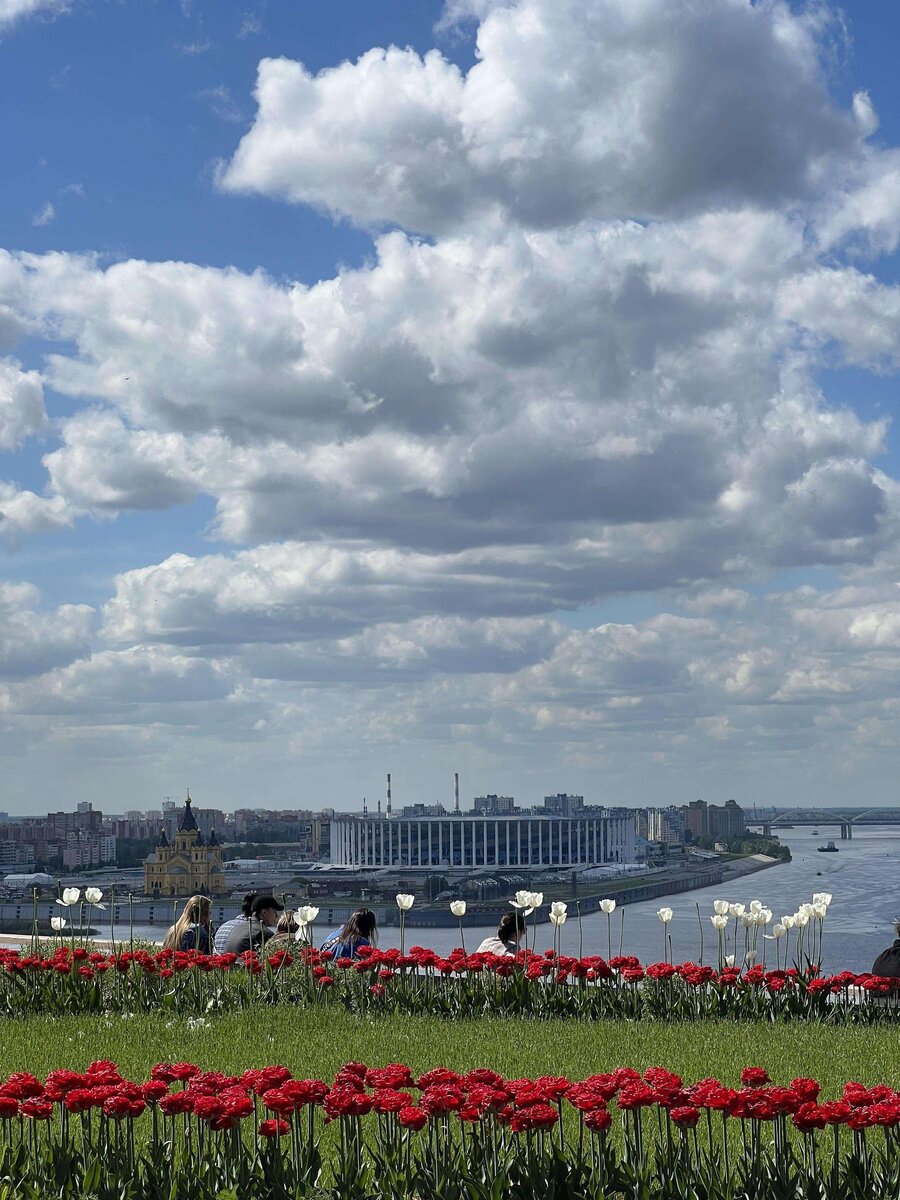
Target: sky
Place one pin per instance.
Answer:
(502, 387)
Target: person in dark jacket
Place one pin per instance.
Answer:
(258, 928)
(227, 928)
(887, 964)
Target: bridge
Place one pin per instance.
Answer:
(845, 818)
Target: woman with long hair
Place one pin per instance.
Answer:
(191, 930)
(360, 929)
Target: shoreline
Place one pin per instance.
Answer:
(477, 916)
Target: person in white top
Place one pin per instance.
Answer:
(509, 935)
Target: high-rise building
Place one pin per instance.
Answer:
(494, 806)
(563, 805)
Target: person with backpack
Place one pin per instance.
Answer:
(360, 929)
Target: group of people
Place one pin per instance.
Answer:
(264, 922)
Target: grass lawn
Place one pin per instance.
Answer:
(317, 1041)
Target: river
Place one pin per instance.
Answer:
(862, 878)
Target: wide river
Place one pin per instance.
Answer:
(863, 878)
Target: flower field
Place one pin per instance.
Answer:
(199, 1134)
(533, 1075)
(72, 979)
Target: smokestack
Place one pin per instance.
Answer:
(365, 808)
(389, 794)
(456, 791)
(379, 806)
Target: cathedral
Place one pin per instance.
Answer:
(188, 867)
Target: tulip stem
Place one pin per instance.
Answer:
(700, 923)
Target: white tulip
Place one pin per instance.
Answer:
(70, 896)
(778, 931)
(558, 918)
(458, 908)
(806, 909)
(736, 910)
(405, 901)
(522, 900)
(608, 906)
(788, 922)
(820, 911)
(720, 921)
(729, 960)
(755, 906)
(306, 914)
(748, 919)
(822, 898)
(720, 908)
(558, 907)
(801, 920)
(665, 915)
(766, 916)
(57, 923)
(537, 899)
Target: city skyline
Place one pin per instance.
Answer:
(494, 386)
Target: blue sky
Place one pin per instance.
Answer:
(514, 491)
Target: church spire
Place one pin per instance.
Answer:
(188, 821)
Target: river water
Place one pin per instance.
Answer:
(863, 878)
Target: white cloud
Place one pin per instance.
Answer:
(222, 103)
(573, 111)
(597, 378)
(12, 11)
(34, 640)
(104, 467)
(22, 411)
(854, 310)
(45, 215)
(24, 513)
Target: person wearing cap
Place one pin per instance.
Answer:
(257, 929)
(227, 928)
(887, 964)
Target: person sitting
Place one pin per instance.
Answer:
(225, 930)
(361, 929)
(285, 933)
(191, 930)
(257, 929)
(887, 964)
(509, 933)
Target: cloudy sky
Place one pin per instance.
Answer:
(494, 386)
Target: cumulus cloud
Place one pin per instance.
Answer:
(22, 412)
(34, 640)
(23, 513)
(855, 311)
(572, 111)
(596, 375)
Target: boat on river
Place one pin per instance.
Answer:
(830, 848)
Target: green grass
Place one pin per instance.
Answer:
(317, 1041)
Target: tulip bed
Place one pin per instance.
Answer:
(196, 1135)
(78, 979)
